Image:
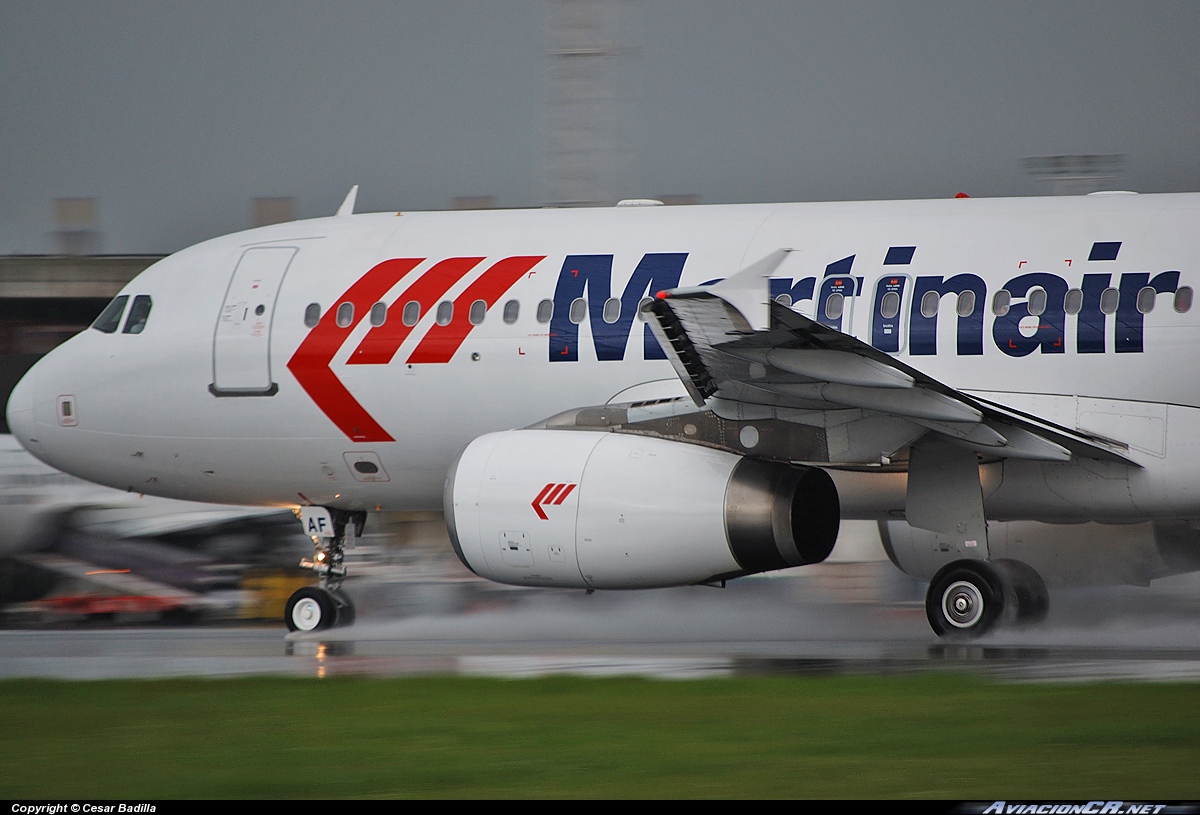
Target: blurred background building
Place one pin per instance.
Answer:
(1076, 175)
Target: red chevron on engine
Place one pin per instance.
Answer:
(551, 495)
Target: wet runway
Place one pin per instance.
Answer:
(755, 627)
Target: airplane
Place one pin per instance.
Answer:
(644, 396)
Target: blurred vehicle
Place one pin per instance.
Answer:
(80, 549)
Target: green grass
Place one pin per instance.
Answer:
(921, 737)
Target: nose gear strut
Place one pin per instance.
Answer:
(314, 608)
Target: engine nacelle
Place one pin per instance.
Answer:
(1063, 554)
(615, 511)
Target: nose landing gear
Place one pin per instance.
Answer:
(315, 608)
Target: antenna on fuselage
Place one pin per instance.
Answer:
(347, 207)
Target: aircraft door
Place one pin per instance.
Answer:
(889, 322)
(835, 300)
(242, 339)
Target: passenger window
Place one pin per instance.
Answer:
(411, 313)
(512, 310)
(138, 313)
(889, 305)
(545, 311)
(1001, 302)
(312, 315)
(1145, 299)
(784, 299)
(966, 303)
(1109, 298)
(110, 318)
(834, 305)
(578, 311)
(445, 312)
(378, 314)
(345, 315)
(1183, 299)
(477, 313)
(1037, 302)
(930, 303)
(612, 310)
(1073, 301)
(644, 307)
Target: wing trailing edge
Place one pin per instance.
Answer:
(796, 369)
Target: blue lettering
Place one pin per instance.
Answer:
(1090, 322)
(1049, 334)
(592, 275)
(1129, 319)
(793, 289)
(922, 330)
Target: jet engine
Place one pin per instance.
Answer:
(602, 510)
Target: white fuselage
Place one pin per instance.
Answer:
(211, 401)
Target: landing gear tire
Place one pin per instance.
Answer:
(965, 599)
(1025, 592)
(310, 609)
(323, 606)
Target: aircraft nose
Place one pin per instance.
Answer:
(20, 408)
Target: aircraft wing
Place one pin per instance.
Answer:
(745, 357)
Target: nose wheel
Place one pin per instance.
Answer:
(310, 609)
(326, 605)
(313, 608)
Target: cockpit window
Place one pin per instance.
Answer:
(138, 313)
(110, 318)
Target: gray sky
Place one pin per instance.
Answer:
(176, 114)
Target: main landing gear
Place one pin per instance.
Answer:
(967, 598)
(325, 605)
